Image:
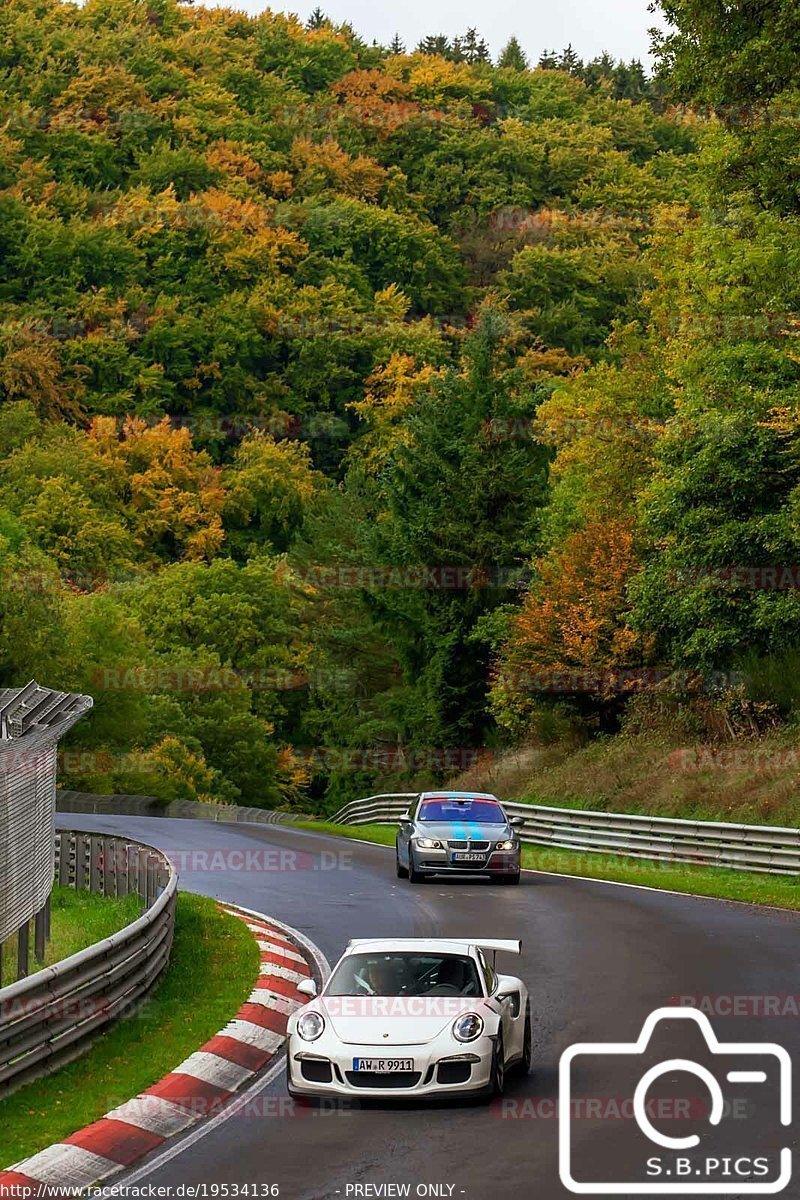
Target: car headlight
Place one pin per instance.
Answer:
(310, 1026)
(427, 843)
(467, 1027)
(509, 845)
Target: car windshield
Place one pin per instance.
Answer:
(481, 812)
(407, 974)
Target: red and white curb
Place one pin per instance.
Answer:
(200, 1087)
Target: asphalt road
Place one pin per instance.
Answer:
(598, 960)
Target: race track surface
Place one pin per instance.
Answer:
(598, 960)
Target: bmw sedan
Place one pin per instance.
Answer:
(411, 1016)
(457, 833)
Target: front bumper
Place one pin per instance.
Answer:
(441, 862)
(439, 1069)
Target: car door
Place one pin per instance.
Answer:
(404, 835)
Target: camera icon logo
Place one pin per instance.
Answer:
(642, 1159)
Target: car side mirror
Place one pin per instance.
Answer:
(517, 821)
(404, 817)
(307, 987)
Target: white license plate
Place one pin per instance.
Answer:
(383, 1066)
(464, 857)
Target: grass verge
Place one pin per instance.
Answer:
(211, 973)
(78, 919)
(751, 887)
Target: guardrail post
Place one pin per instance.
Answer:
(23, 950)
(121, 868)
(133, 870)
(95, 865)
(64, 844)
(40, 935)
(107, 850)
(151, 880)
(163, 877)
(142, 860)
(81, 843)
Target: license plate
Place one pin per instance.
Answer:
(463, 856)
(383, 1066)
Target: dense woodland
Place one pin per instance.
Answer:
(363, 409)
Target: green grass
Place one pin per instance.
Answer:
(212, 970)
(78, 920)
(781, 891)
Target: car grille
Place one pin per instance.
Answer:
(374, 1079)
(463, 845)
(316, 1071)
(453, 1072)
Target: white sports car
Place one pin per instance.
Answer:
(416, 1016)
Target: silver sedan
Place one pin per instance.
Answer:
(457, 833)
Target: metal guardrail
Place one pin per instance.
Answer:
(149, 806)
(49, 1018)
(763, 848)
(706, 843)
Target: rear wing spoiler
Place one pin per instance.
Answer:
(513, 946)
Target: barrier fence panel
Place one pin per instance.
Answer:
(32, 719)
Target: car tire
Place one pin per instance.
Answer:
(414, 875)
(527, 1044)
(497, 1080)
(511, 880)
(402, 872)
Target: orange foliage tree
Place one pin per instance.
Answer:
(570, 635)
(174, 493)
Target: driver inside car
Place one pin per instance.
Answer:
(379, 979)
